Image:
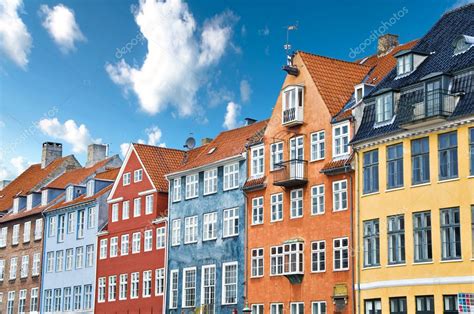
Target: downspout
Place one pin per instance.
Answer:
(165, 294)
(357, 231)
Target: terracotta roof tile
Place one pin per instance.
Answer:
(337, 164)
(254, 183)
(79, 200)
(109, 174)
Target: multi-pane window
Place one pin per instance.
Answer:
(148, 240)
(398, 305)
(276, 155)
(138, 175)
(420, 160)
(69, 259)
(90, 255)
(422, 236)
(293, 258)
(384, 108)
(101, 290)
(2, 269)
(190, 229)
(341, 254)
(146, 292)
(26, 232)
(450, 234)
(90, 188)
(81, 223)
(126, 178)
(176, 190)
(103, 249)
(471, 150)
(77, 297)
(136, 239)
(448, 155)
(373, 306)
(276, 308)
(192, 185)
(38, 229)
(135, 281)
(137, 207)
(59, 261)
(174, 289)
(124, 244)
(16, 234)
(34, 301)
(87, 297)
(231, 222)
(257, 308)
(371, 171)
(296, 203)
(71, 222)
(424, 304)
(3, 236)
(296, 148)
(52, 226)
(231, 176)
(340, 140)
(257, 211)
(394, 166)
(48, 300)
(79, 257)
(257, 161)
(176, 232)
(91, 217)
(113, 247)
(371, 243)
(11, 301)
(317, 200)
(160, 237)
(25, 262)
(229, 283)
(210, 181)
(67, 306)
(208, 292)
(276, 260)
(159, 281)
(57, 300)
(296, 308)
(318, 256)
(112, 288)
(317, 146)
(49, 262)
(123, 286)
(339, 195)
(276, 204)
(189, 287)
(450, 303)
(115, 212)
(209, 226)
(69, 193)
(405, 64)
(257, 263)
(396, 239)
(125, 210)
(318, 307)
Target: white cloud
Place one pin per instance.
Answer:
(19, 163)
(15, 40)
(153, 134)
(10, 169)
(231, 116)
(245, 90)
(61, 25)
(264, 31)
(76, 135)
(124, 148)
(178, 57)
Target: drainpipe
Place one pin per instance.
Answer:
(357, 231)
(245, 249)
(165, 294)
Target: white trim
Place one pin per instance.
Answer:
(215, 164)
(416, 282)
(115, 200)
(159, 220)
(223, 282)
(147, 192)
(203, 267)
(183, 287)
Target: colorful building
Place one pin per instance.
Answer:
(206, 263)
(415, 186)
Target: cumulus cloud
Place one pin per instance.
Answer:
(15, 40)
(61, 25)
(10, 169)
(231, 116)
(264, 31)
(153, 134)
(124, 148)
(70, 132)
(245, 91)
(177, 59)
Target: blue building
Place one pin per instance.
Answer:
(206, 247)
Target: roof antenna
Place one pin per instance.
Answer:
(289, 67)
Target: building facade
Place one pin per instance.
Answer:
(415, 153)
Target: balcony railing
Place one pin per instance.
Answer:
(291, 173)
(292, 116)
(423, 108)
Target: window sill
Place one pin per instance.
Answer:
(471, 176)
(256, 277)
(420, 184)
(396, 265)
(451, 261)
(339, 210)
(395, 189)
(316, 160)
(370, 194)
(256, 224)
(210, 193)
(422, 263)
(371, 267)
(448, 180)
(278, 220)
(319, 214)
(339, 270)
(318, 272)
(230, 189)
(297, 217)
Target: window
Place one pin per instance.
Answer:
(231, 222)
(371, 243)
(317, 200)
(44, 197)
(373, 306)
(137, 175)
(176, 232)
(258, 161)
(101, 290)
(405, 64)
(125, 210)
(148, 241)
(115, 212)
(318, 256)
(91, 220)
(148, 204)
(424, 304)
(340, 140)
(22, 301)
(3, 237)
(90, 188)
(80, 227)
(123, 286)
(134, 285)
(450, 303)
(231, 176)
(394, 166)
(420, 161)
(38, 229)
(398, 305)
(112, 288)
(296, 204)
(34, 300)
(77, 297)
(159, 281)
(276, 155)
(190, 229)
(210, 181)
(317, 146)
(124, 244)
(2, 269)
(113, 247)
(59, 261)
(87, 297)
(177, 190)
(189, 287)
(137, 207)
(67, 299)
(174, 289)
(257, 308)
(71, 222)
(136, 239)
(450, 234)
(126, 178)
(297, 148)
(69, 259)
(49, 262)
(209, 226)
(79, 257)
(16, 234)
(146, 284)
(160, 238)
(371, 171)
(57, 300)
(384, 108)
(61, 227)
(257, 211)
(318, 307)
(192, 186)
(471, 149)
(48, 300)
(293, 257)
(396, 239)
(103, 249)
(276, 203)
(448, 155)
(208, 289)
(69, 193)
(276, 260)
(339, 190)
(422, 236)
(276, 308)
(26, 232)
(292, 104)
(229, 283)
(257, 263)
(297, 308)
(90, 255)
(341, 254)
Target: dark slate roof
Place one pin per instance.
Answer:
(438, 44)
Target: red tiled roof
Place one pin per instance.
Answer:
(253, 183)
(79, 200)
(337, 164)
(110, 174)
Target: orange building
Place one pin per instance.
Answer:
(300, 186)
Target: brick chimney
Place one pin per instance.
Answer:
(205, 140)
(386, 42)
(96, 153)
(51, 151)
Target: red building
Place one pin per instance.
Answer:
(132, 246)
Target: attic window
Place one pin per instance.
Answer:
(90, 188)
(69, 193)
(29, 202)
(405, 64)
(211, 150)
(44, 197)
(16, 205)
(462, 44)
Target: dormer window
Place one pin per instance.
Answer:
(405, 64)
(384, 108)
(16, 205)
(29, 202)
(462, 44)
(44, 197)
(292, 105)
(359, 93)
(69, 193)
(90, 188)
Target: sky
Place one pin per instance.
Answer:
(118, 71)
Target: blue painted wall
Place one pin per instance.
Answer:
(215, 252)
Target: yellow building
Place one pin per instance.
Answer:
(414, 224)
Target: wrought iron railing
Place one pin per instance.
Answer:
(294, 170)
(417, 105)
(289, 115)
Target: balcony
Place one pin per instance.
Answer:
(418, 109)
(292, 116)
(291, 173)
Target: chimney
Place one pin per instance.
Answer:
(51, 151)
(205, 140)
(386, 42)
(249, 121)
(95, 153)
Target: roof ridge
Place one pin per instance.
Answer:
(159, 147)
(334, 59)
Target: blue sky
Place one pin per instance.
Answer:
(123, 71)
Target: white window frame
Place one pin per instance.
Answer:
(384, 108)
(318, 145)
(176, 232)
(341, 250)
(50, 262)
(174, 286)
(231, 176)
(44, 197)
(90, 250)
(257, 155)
(16, 234)
(34, 300)
(25, 262)
(257, 262)
(225, 286)
(138, 175)
(185, 288)
(146, 287)
(209, 228)
(276, 201)
(115, 212)
(159, 281)
(257, 210)
(113, 247)
(160, 238)
(2, 270)
(137, 207)
(90, 188)
(35, 266)
(79, 257)
(190, 229)
(71, 222)
(124, 244)
(112, 290)
(276, 155)
(177, 189)
(59, 261)
(208, 284)
(338, 194)
(14, 267)
(26, 232)
(276, 308)
(126, 178)
(123, 286)
(103, 249)
(125, 210)
(61, 227)
(148, 240)
(149, 200)
(69, 259)
(101, 289)
(318, 251)
(3, 237)
(192, 186)
(69, 193)
(230, 221)
(319, 309)
(318, 200)
(295, 199)
(405, 64)
(136, 242)
(341, 137)
(134, 285)
(210, 181)
(296, 309)
(38, 229)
